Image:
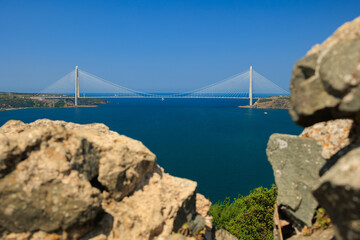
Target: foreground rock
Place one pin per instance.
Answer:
(63, 180)
(296, 163)
(339, 193)
(325, 84)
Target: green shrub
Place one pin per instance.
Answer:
(261, 100)
(59, 104)
(249, 217)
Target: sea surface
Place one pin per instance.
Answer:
(220, 146)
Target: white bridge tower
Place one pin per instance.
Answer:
(77, 92)
(250, 87)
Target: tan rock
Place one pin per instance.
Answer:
(202, 207)
(157, 209)
(44, 192)
(122, 163)
(68, 181)
(332, 135)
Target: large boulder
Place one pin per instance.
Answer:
(325, 84)
(296, 162)
(62, 180)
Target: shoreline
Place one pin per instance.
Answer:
(22, 108)
(272, 102)
(250, 107)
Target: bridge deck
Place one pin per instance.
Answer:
(156, 97)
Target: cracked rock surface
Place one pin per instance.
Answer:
(62, 180)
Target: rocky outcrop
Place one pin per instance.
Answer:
(274, 102)
(325, 86)
(63, 180)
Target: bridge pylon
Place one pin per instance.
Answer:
(250, 87)
(77, 92)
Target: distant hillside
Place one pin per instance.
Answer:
(30, 100)
(275, 102)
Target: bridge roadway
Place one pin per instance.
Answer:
(160, 97)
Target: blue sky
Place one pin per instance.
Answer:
(160, 45)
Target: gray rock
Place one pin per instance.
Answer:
(310, 102)
(197, 224)
(339, 193)
(338, 67)
(296, 163)
(325, 84)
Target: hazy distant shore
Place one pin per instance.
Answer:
(17, 101)
(274, 102)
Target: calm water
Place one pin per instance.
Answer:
(222, 148)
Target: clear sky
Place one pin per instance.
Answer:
(160, 45)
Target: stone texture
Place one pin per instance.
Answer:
(325, 83)
(122, 162)
(202, 205)
(68, 181)
(332, 135)
(339, 193)
(325, 86)
(43, 192)
(159, 208)
(296, 162)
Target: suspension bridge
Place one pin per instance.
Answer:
(80, 84)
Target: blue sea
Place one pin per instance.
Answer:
(220, 146)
